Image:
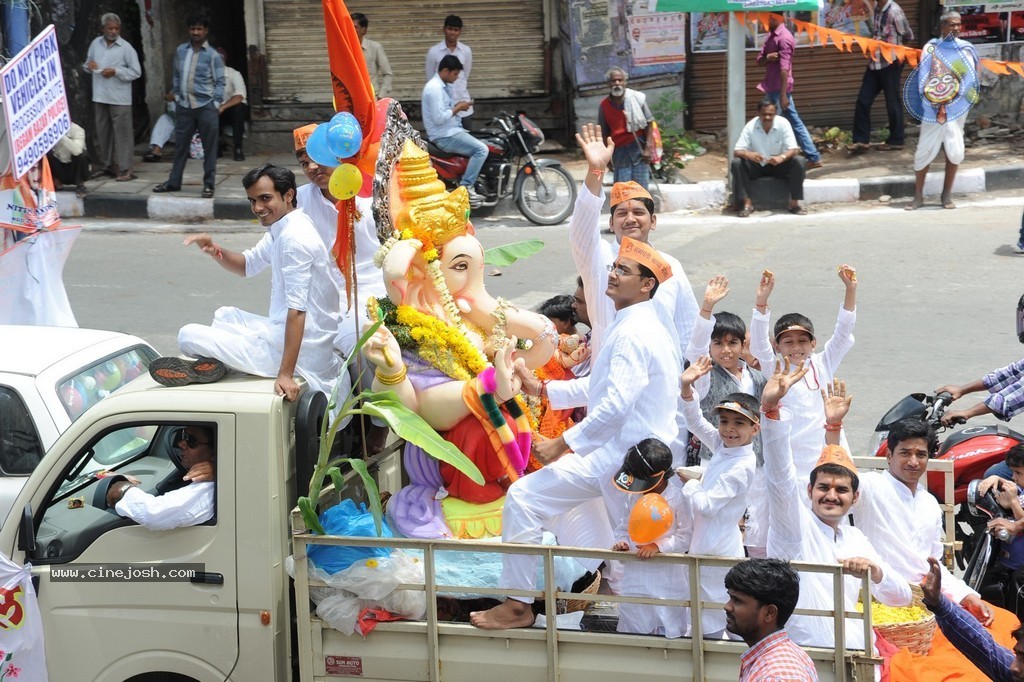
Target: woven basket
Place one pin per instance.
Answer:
(916, 635)
(571, 605)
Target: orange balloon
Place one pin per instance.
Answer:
(651, 518)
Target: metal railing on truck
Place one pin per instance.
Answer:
(422, 654)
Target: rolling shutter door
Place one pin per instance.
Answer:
(507, 40)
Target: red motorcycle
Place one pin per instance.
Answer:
(972, 450)
(542, 189)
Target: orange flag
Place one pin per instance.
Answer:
(862, 43)
(353, 92)
(1017, 67)
(996, 67)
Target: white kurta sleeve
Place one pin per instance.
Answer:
(186, 506)
(841, 342)
(761, 341)
(687, 310)
(698, 425)
(627, 379)
(708, 503)
(699, 345)
(784, 504)
(569, 393)
(587, 249)
(257, 259)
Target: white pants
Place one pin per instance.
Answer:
(548, 499)
(252, 344)
(949, 136)
(163, 129)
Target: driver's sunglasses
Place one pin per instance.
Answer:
(183, 435)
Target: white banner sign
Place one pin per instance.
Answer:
(35, 102)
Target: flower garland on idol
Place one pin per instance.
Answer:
(431, 215)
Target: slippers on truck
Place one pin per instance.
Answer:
(170, 371)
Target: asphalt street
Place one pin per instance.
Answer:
(936, 298)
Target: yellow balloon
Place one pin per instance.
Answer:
(345, 182)
(650, 519)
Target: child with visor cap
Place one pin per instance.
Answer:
(717, 499)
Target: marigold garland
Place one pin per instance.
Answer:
(440, 345)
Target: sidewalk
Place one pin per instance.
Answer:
(844, 178)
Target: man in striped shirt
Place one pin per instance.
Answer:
(762, 597)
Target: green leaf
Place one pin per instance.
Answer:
(411, 427)
(510, 253)
(372, 493)
(308, 509)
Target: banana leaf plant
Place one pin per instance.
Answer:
(405, 423)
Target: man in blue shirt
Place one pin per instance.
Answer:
(198, 91)
(969, 636)
(444, 127)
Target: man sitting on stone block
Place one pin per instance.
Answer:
(767, 148)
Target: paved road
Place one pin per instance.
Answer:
(938, 289)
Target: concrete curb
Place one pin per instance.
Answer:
(706, 194)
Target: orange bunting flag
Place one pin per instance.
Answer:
(1017, 67)
(862, 43)
(996, 67)
(353, 92)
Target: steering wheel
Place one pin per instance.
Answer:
(174, 452)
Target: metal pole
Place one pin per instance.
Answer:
(737, 87)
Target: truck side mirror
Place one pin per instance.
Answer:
(26, 531)
(309, 417)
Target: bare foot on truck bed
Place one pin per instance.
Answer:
(505, 616)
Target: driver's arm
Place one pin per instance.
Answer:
(186, 506)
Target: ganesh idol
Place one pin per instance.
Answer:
(450, 350)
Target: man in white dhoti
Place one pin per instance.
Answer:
(633, 377)
(298, 335)
(944, 88)
(817, 533)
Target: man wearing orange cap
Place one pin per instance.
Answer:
(817, 533)
(632, 379)
(320, 205)
(632, 215)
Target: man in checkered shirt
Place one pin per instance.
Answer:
(762, 597)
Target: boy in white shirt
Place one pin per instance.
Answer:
(646, 469)
(795, 341)
(717, 500)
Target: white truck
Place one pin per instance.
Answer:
(237, 615)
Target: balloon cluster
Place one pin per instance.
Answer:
(331, 142)
(340, 144)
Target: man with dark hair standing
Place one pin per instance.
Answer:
(376, 61)
(198, 91)
(298, 335)
(440, 109)
(114, 64)
(762, 596)
(777, 56)
(890, 26)
(451, 45)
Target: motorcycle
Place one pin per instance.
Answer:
(972, 450)
(543, 190)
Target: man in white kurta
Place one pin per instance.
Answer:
(297, 337)
(632, 379)
(316, 201)
(798, 533)
(902, 519)
(675, 303)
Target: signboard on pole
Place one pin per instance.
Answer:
(738, 5)
(35, 101)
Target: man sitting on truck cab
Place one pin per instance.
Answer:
(190, 505)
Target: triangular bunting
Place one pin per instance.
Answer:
(1017, 68)
(912, 57)
(862, 43)
(888, 52)
(996, 67)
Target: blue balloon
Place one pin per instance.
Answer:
(318, 148)
(343, 117)
(344, 139)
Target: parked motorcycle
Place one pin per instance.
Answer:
(972, 450)
(542, 189)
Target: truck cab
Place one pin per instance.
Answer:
(217, 607)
